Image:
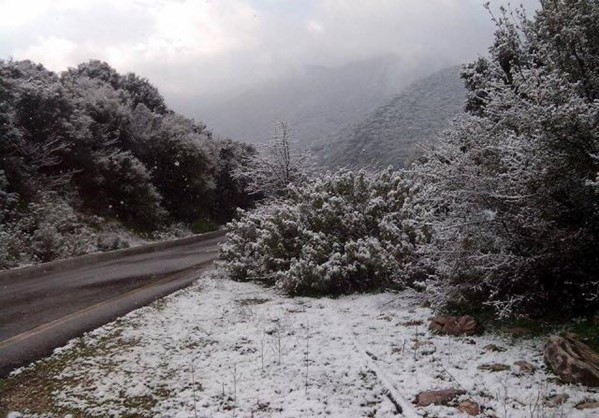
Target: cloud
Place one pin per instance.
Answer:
(16, 13)
(315, 27)
(203, 28)
(53, 52)
(147, 29)
(202, 47)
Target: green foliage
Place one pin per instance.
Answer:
(124, 188)
(181, 168)
(588, 331)
(202, 226)
(229, 189)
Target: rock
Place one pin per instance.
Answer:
(587, 405)
(469, 407)
(555, 380)
(495, 348)
(494, 367)
(553, 401)
(525, 367)
(438, 397)
(572, 360)
(455, 325)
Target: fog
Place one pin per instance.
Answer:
(199, 51)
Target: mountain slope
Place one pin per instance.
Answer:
(389, 135)
(316, 101)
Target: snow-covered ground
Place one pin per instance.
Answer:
(227, 349)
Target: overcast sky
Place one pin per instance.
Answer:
(203, 47)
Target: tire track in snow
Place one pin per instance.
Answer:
(403, 406)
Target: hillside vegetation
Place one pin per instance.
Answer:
(90, 153)
(316, 101)
(391, 134)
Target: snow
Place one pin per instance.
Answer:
(222, 348)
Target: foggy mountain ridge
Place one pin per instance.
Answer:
(389, 135)
(316, 101)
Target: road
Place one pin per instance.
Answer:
(41, 313)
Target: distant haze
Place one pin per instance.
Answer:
(315, 101)
(200, 51)
(394, 133)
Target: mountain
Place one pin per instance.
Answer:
(316, 101)
(389, 135)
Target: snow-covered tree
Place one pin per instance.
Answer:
(508, 192)
(103, 144)
(37, 114)
(230, 189)
(277, 165)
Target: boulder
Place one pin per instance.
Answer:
(455, 325)
(438, 397)
(572, 360)
(587, 405)
(470, 408)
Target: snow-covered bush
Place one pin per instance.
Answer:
(52, 229)
(5, 241)
(340, 233)
(8, 241)
(172, 231)
(508, 192)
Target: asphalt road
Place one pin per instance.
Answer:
(41, 313)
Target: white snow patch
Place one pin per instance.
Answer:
(222, 348)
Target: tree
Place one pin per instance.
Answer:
(11, 165)
(39, 115)
(96, 70)
(276, 165)
(177, 152)
(508, 191)
(91, 143)
(230, 190)
(138, 89)
(141, 91)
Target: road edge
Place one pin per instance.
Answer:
(32, 345)
(84, 260)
